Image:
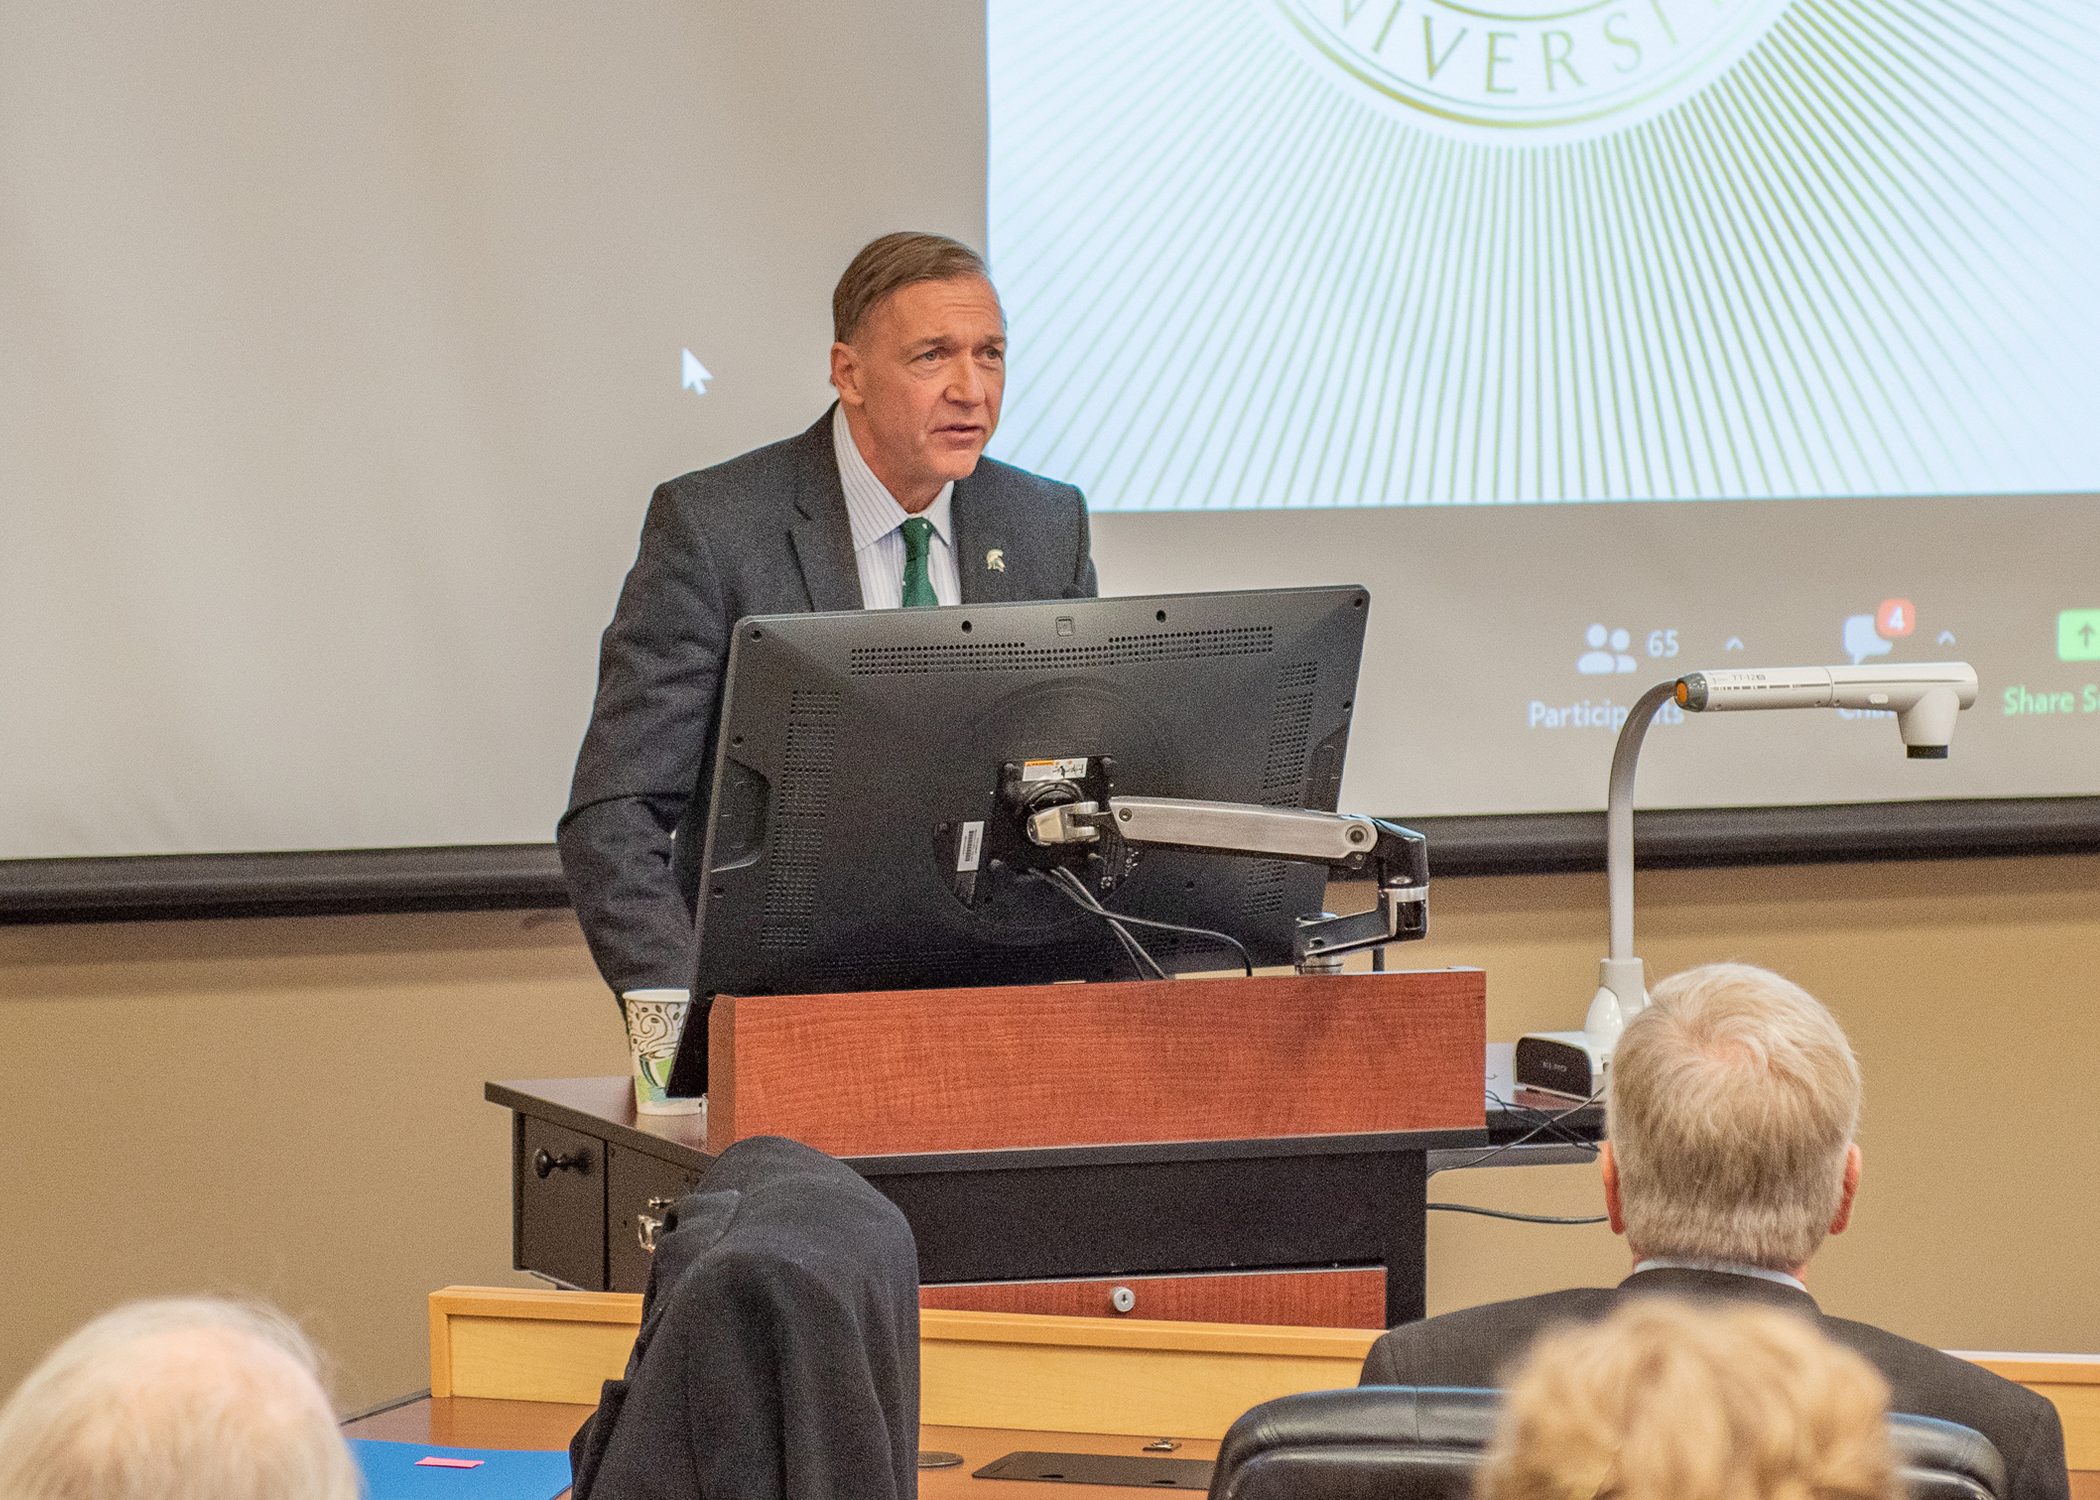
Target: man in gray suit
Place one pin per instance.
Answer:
(1734, 1099)
(886, 501)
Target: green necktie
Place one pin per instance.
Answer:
(918, 588)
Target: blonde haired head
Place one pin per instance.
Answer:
(1734, 1099)
(1664, 1401)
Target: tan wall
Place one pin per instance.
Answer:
(293, 1106)
(290, 1107)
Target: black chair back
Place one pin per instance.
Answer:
(1398, 1442)
(1375, 1442)
(1945, 1461)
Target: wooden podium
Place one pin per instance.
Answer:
(1044, 1067)
(1245, 1150)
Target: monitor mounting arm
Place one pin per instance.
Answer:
(1396, 858)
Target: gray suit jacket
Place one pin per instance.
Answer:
(763, 534)
(779, 1350)
(1479, 1345)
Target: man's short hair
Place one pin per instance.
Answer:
(891, 264)
(1663, 1401)
(1734, 1096)
(182, 1399)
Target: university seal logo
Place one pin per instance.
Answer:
(1522, 69)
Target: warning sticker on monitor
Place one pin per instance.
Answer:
(1071, 768)
(970, 847)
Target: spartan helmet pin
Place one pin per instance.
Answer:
(995, 560)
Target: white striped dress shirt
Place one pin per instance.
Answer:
(875, 515)
(1730, 1267)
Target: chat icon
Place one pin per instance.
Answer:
(1862, 640)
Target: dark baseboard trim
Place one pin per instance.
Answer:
(489, 877)
(1695, 837)
(161, 887)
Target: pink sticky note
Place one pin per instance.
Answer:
(449, 1463)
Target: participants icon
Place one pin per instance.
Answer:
(1600, 662)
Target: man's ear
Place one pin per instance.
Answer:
(1608, 1167)
(845, 374)
(1851, 1189)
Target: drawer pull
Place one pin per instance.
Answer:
(645, 1229)
(542, 1163)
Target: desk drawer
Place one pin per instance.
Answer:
(558, 1186)
(637, 1188)
(1297, 1299)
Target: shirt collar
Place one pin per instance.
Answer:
(1727, 1267)
(871, 510)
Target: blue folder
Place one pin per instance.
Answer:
(504, 1474)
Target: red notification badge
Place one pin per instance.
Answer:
(1895, 617)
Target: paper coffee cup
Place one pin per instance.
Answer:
(655, 1022)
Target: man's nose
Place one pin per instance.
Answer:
(966, 384)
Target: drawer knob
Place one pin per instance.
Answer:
(1122, 1299)
(579, 1161)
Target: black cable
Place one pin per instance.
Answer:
(1068, 885)
(1499, 1213)
(1551, 1122)
(1139, 953)
(1075, 889)
(1547, 1119)
(1146, 965)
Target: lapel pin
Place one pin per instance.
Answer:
(995, 560)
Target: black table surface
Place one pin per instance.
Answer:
(604, 1107)
(1532, 1124)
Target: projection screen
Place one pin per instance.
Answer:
(1601, 341)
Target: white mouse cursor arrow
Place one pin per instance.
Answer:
(696, 376)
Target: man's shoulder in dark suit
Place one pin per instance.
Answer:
(1480, 1346)
(1031, 530)
(1005, 479)
(1930, 1383)
(762, 482)
(1477, 1346)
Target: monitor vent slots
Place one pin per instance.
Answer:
(1290, 736)
(1282, 776)
(1019, 656)
(1263, 891)
(804, 796)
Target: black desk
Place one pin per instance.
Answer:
(588, 1178)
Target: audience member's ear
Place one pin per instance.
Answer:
(1851, 1190)
(1608, 1167)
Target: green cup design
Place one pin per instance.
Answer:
(655, 1022)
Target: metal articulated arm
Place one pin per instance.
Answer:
(1396, 858)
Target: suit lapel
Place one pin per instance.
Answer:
(822, 537)
(981, 544)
